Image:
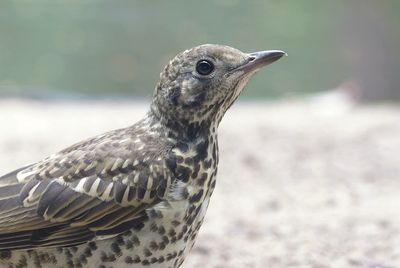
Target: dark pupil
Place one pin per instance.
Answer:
(204, 67)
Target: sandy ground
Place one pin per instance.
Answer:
(300, 185)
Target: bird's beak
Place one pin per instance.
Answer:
(260, 59)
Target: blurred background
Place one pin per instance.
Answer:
(108, 48)
(309, 155)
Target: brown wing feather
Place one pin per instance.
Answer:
(97, 187)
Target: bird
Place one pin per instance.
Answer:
(136, 196)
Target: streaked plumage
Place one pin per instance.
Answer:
(135, 196)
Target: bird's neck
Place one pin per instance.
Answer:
(180, 129)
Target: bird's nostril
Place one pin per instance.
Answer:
(252, 58)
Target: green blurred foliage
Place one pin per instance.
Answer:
(119, 47)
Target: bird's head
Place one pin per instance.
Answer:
(201, 83)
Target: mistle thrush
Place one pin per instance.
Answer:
(132, 197)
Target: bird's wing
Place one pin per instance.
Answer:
(96, 188)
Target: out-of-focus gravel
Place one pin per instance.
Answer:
(300, 185)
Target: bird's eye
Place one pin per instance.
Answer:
(204, 67)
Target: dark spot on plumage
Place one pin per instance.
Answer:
(44, 257)
(161, 259)
(165, 239)
(135, 240)
(209, 184)
(128, 244)
(213, 184)
(47, 174)
(179, 236)
(190, 210)
(22, 263)
(189, 161)
(195, 172)
(83, 259)
(153, 245)
(179, 159)
(136, 259)
(116, 145)
(197, 212)
(68, 165)
(215, 165)
(31, 252)
(154, 213)
(175, 223)
(120, 241)
(161, 230)
(159, 214)
(207, 163)
(183, 173)
(88, 252)
(184, 228)
(115, 248)
(87, 161)
(214, 151)
(111, 258)
(174, 95)
(5, 254)
(192, 237)
(198, 225)
(57, 165)
(201, 180)
(147, 252)
(128, 260)
(92, 245)
(174, 254)
(190, 220)
(196, 197)
(81, 173)
(153, 260)
(103, 257)
(161, 245)
(171, 232)
(68, 253)
(145, 262)
(128, 233)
